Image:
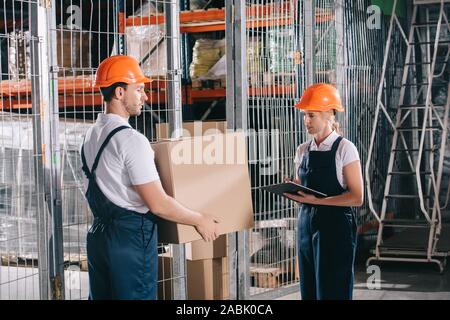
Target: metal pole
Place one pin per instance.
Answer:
(172, 22)
(229, 39)
(240, 66)
(237, 108)
(241, 102)
(341, 57)
(120, 38)
(46, 150)
(309, 41)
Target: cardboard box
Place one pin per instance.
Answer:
(165, 266)
(73, 51)
(195, 128)
(208, 174)
(200, 249)
(208, 279)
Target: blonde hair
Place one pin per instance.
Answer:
(330, 117)
(336, 127)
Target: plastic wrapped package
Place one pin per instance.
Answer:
(147, 44)
(72, 51)
(281, 50)
(19, 59)
(206, 53)
(201, 4)
(217, 72)
(254, 55)
(19, 198)
(197, 4)
(255, 60)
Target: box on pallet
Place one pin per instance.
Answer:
(208, 279)
(200, 250)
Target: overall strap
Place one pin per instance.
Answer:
(336, 144)
(100, 151)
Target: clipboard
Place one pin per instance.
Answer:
(291, 187)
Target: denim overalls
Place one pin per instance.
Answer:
(326, 234)
(121, 245)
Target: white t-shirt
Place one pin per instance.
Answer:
(127, 160)
(345, 154)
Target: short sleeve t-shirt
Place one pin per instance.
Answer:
(127, 160)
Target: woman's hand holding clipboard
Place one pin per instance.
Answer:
(296, 192)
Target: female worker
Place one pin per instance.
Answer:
(326, 226)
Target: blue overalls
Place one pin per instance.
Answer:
(121, 245)
(326, 234)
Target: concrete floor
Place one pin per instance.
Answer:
(398, 281)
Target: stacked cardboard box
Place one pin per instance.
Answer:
(207, 269)
(207, 279)
(207, 262)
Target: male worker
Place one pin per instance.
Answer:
(124, 191)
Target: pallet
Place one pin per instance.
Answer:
(208, 84)
(29, 262)
(265, 277)
(15, 261)
(270, 277)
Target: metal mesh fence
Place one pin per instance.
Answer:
(354, 62)
(20, 194)
(80, 35)
(83, 33)
(275, 73)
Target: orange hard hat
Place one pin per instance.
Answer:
(119, 69)
(320, 97)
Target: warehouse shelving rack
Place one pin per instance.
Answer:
(78, 91)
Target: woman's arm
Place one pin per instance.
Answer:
(353, 198)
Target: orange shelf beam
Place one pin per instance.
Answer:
(214, 19)
(219, 26)
(66, 85)
(202, 16)
(79, 92)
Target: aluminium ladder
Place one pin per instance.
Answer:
(419, 142)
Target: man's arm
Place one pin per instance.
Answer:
(166, 207)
